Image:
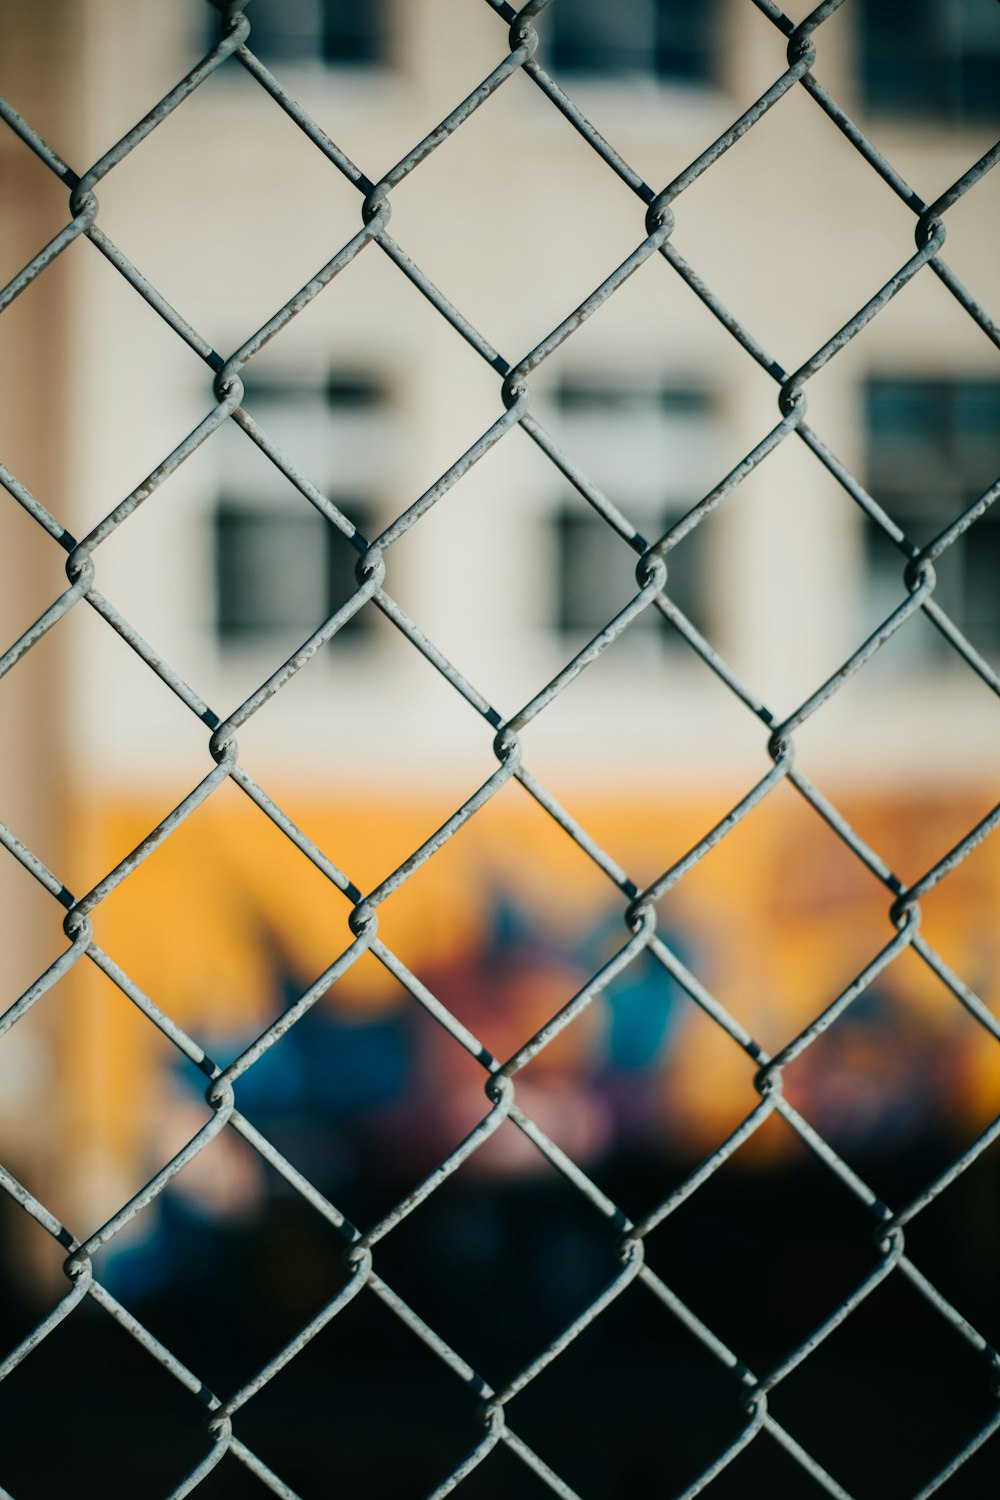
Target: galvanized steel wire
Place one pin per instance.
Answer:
(657, 210)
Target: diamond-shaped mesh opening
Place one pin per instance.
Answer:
(870, 245)
(881, 1373)
(137, 1393)
(485, 1260)
(222, 1232)
(763, 1256)
(339, 1387)
(670, 1409)
(212, 263)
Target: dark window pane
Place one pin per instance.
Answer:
(906, 409)
(343, 390)
(982, 553)
(934, 448)
(640, 439)
(931, 57)
(582, 395)
(591, 37)
(909, 432)
(354, 389)
(907, 84)
(284, 30)
(666, 39)
(573, 396)
(341, 560)
(966, 574)
(593, 572)
(977, 409)
(262, 584)
(342, 33)
(685, 401)
(979, 86)
(684, 40)
(596, 576)
(279, 572)
(352, 32)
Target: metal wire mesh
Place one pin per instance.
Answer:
(227, 1433)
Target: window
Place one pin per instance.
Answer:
(934, 447)
(663, 39)
(280, 572)
(647, 444)
(933, 57)
(340, 33)
(596, 575)
(282, 568)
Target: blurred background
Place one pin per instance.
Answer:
(228, 210)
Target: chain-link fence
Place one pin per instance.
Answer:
(229, 1413)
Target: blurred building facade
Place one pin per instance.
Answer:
(228, 209)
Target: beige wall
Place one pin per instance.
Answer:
(228, 210)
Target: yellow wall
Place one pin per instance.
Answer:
(778, 919)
